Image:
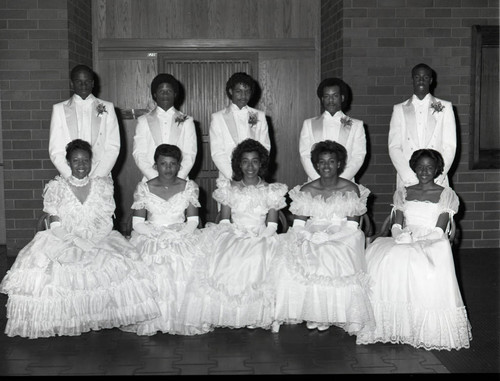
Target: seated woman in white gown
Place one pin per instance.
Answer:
(237, 289)
(79, 275)
(416, 299)
(165, 233)
(323, 279)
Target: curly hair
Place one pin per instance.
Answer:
(249, 145)
(169, 150)
(164, 78)
(78, 144)
(329, 146)
(329, 82)
(81, 68)
(239, 77)
(431, 154)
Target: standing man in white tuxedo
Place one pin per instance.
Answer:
(164, 125)
(235, 123)
(83, 116)
(422, 121)
(334, 125)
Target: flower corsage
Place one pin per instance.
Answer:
(437, 107)
(252, 118)
(101, 109)
(346, 122)
(181, 118)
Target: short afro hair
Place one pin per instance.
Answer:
(81, 68)
(237, 78)
(431, 154)
(164, 78)
(329, 146)
(249, 145)
(168, 150)
(78, 144)
(422, 66)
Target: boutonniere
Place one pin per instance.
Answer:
(346, 122)
(181, 118)
(252, 119)
(101, 109)
(437, 106)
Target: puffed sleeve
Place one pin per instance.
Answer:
(449, 201)
(107, 190)
(140, 193)
(192, 193)
(52, 195)
(223, 192)
(399, 199)
(301, 202)
(360, 205)
(276, 195)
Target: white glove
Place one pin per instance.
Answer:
(298, 224)
(269, 230)
(401, 235)
(83, 243)
(224, 221)
(59, 231)
(351, 225)
(436, 233)
(140, 226)
(191, 225)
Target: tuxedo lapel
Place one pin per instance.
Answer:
(317, 128)
(95, 121)
(154, 126)
(410, 120)
(230, 123)
(175, 129)
(343, 131)
(432, 120)
(71, 120)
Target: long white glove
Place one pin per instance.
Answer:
(59, 231)
(436, 233)
(401, 235)
(83, 243)
(351, 225)
(270, 229)
(140, 226)
(191, 225)
(298, 224)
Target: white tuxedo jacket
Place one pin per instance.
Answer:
(148, 136)
(440, 135)
(351, 137)
(105, 136)
(224, 137)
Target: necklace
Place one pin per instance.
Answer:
(256, 185)
(78, 182)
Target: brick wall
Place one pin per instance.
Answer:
(381, 41)
(40, 40)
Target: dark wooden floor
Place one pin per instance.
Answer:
(294, 350)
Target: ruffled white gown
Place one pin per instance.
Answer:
(56, 288)
(170, 255)
(416, 299)
(237, 289)
(323, 277)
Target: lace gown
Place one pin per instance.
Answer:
(237, 289)
(170, 255)
(416, 299)
(56, 288)
(323, 277)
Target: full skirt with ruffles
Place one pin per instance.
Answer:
(171, 258)
(323, 280)
(416, 298)
(236, 288)
(55, 288)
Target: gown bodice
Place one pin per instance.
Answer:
(166, 212)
